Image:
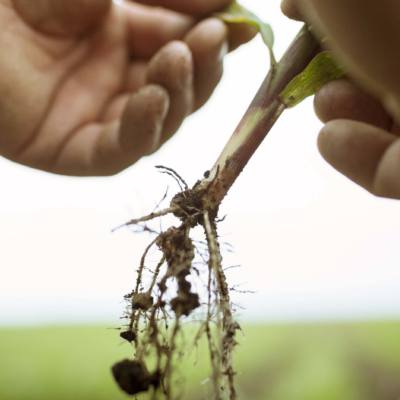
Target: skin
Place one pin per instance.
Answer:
(88, 87)
(361, 137)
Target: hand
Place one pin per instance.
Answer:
(361, 137)
(87, 87)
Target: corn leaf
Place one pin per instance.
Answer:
(237, 14)
(321, 70)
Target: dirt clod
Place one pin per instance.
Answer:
(132, 376)
(142, 301)
(129, 336)
(185, 304)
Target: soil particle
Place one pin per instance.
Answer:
(129, 336)
(142, 301)
(132, 376)
(178, 250)
(185, 303)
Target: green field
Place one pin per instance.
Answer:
(286, 362)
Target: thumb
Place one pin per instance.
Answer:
(365, 34)
(63, 17)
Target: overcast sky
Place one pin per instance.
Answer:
(311, 244)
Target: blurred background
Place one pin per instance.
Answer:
(319, 254)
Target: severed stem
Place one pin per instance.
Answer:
(260, 117)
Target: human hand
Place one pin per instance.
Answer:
(361, 136)
(87, 87)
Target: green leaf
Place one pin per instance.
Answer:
(237, 14)
(321, 70)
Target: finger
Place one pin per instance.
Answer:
(135, 80)
(192, 7)
(290, 9)
(141, 127)
(208, 43)
(172, 68)
(106, 149)
(364, 35)
(137, 74)
(116, 108)
(342, 99)
(63, 17)
(366, 154)
(150, 28)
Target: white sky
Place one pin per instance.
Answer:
(311, 244)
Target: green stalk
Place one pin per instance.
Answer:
(264, 111)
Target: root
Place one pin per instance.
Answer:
(229, 325)
(167, 295)
(150, 217)
(179, 180)
(215, 356)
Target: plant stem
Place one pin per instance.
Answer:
(260, 117)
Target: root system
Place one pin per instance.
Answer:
(168, 295)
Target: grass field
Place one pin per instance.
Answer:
(292, 362)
